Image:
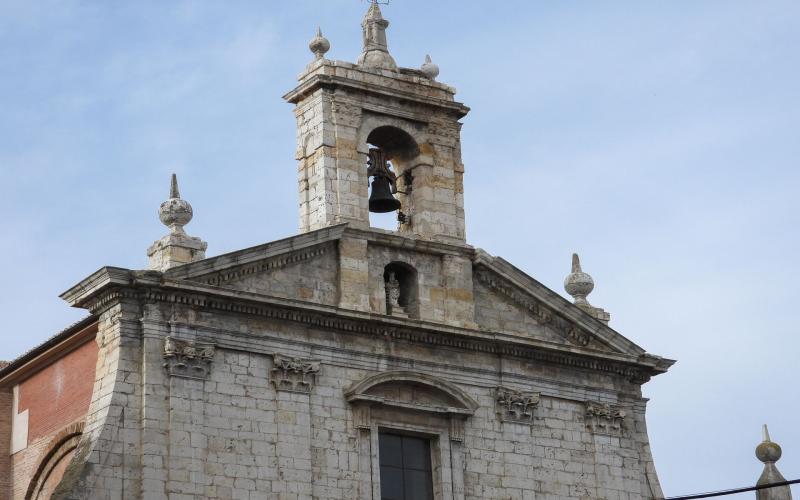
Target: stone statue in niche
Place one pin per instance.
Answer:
(393, 306)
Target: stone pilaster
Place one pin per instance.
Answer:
(155, 407)
(107, 464)
(293, 451)
(331, 172)
(353, 274)
(459, 299)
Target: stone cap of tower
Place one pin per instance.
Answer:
(407, 84)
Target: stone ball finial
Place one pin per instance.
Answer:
(319, 45)
(578, 283)
(767, 451)
(429, 69)
(175, 212)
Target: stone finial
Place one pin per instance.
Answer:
(177, 247)
(579, 284)
(769, 453)
(375, 53)
(319, 45)
(429, 69)
(175, 212)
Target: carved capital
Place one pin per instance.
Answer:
(293, 374)
(605, 418)
(183, 358)
(516, 406)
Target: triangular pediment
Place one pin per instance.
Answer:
(510, 301)
(303, 267)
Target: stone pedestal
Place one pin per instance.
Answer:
(175, 249)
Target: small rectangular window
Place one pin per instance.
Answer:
(405, 467)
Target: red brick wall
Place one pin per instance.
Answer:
(5, 442)
(59, 394)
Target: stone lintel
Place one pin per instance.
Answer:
(409, 241)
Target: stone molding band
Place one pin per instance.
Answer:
(636, 374)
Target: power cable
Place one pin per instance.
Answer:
(734, 491)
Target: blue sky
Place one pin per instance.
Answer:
(657, 139)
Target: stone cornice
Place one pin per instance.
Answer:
(637, 369)
(257, 254)
(101, 278)
(390, 239)
(325, 75)
(560, 307)
(269, 263)
(542, 314)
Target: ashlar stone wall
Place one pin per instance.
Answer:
(241, 406)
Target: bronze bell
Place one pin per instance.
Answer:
(381, 200)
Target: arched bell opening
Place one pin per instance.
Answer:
(402, 291)
(390, 150)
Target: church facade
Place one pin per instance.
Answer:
(346, 362)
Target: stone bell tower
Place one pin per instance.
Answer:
(344, 110)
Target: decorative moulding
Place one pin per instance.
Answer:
(294, 374)
(183, 358)
(540, 312)
(605, 418)
(368, 392)
(269, 263)
(516, 406)
(442, 399)
(636, 371)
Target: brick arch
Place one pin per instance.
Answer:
(62, 444)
